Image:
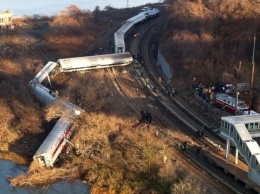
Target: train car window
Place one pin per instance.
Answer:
(246, 126)
(251, 125)
(239, 140)
(256, 125)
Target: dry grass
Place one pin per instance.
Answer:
(214, 36)
(116, 157)
(208, 39)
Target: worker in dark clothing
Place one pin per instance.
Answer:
(184, 146)
(198, 151)
(142, 119)
(201, 132)
(148, 117)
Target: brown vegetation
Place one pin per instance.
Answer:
(208, 39)
(115, 156)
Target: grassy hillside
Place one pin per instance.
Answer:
(115, 156)
(208, 39)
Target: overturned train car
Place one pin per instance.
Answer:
(94, 62)
(50, 149)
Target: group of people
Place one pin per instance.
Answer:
(146, 117)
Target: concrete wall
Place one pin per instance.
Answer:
(164, 65)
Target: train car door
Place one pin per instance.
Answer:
(119, 49)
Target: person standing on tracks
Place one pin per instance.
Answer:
(219, 148)
(159, 80)
(148, 117)
(198, 151)
(184, 145)
(142, 116)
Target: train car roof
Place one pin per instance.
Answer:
(243, 132)
(41, 75)
(130, 22)
(93, 60)
(137, 18)
(152, 11)
(242, 119)
(253, 147)
(6, 14)
(224, 96)
(125, 28)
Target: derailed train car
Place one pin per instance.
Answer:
(94, 62)
(120, 35)
(50, 149)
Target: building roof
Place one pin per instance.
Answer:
(6, 14)
(242, 119)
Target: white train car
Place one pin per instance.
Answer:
(46, 70)
(151, 13)
(94, 62)
(41, 93)
(119, 42)
(120, 35)
(47, 97)
(48, 152)
(50, 149)
(241, 130)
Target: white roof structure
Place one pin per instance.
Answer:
(45, 71)
(243, 132)
(87, 62)
(242, 119)
(6, 18)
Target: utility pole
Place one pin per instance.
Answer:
(127, 3)
(252, 75)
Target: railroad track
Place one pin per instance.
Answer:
(174, 107)
(179, 110)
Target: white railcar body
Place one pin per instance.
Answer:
(54, 142)
(47, 97)
(120, 35)
(41, 93)
(46, 70)
(119, 42)
(94, 62)
(150, 13)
